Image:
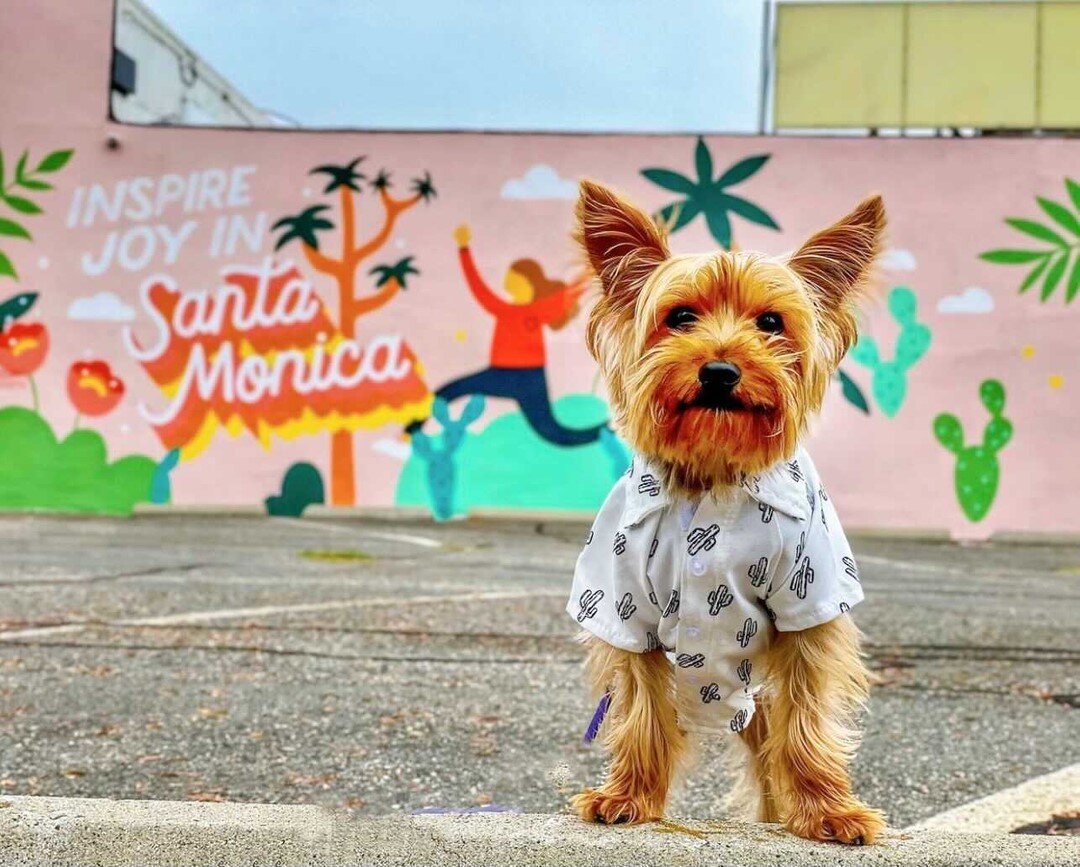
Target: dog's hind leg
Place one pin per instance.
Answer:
(642, 735)
(751, 798)
(818, 681)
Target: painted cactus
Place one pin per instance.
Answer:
(890, 377)
(977, 469)
(438, 453)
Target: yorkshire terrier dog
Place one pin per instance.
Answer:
(715, 583)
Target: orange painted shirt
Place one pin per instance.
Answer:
(518, 340)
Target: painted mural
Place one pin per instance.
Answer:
(294, 319)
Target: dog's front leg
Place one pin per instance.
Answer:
(818, 684)
(643, 736)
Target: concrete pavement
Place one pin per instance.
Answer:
(386, 668)
(82, 833)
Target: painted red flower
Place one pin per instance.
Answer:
(93, 388)
(23, 346)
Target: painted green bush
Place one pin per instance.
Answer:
(977, 469)
(889, 378)
(301, 486)
(507, 465)
(1050, 264)
(73, 474)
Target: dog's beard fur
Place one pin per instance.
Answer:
(651, 370)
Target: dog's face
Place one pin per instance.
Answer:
(714, 363)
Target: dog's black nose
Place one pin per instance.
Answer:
(719, 375)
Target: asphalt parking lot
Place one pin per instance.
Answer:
(396, 667)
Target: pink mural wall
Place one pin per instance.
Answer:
(213, 319)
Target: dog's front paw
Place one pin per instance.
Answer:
(609, 807)
(854, 824)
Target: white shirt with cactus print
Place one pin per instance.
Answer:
(711, 581)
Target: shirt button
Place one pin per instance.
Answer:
(693, 631)
(697, 567)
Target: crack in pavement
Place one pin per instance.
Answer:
(111, 576)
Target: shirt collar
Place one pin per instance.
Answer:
(782, 487)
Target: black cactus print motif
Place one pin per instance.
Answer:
(748, 631)
(625, 607)
(589, 538)
(587, 602)
(758, 572)
(824, 519)
(649, 484)
(710, 693)
(822, 493)
(653, 642)
(851, 567)
(702, 538)
(767, 512)
(620, 543)
(770, 614)
(800, 546)
(653, 599)
(690, 660)
(844, 608)
(652, 548)
(672, 605)
(803, 578)
(752, 484)
(743, 671)
(795, 471)
(719, 598)
(738, 722)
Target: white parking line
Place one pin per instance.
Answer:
(1035, 800)
(192, 617)
(407, 538)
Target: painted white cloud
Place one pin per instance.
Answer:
(393, 448)
(898, 260)
(974, 299)
(101, 307)
(539, 182)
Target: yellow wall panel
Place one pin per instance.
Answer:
(838, 65)
(971, 64)
(1059, 77)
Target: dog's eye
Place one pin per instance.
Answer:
(681, 318)
(770, 322)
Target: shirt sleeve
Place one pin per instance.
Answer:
(611, 592)
(823, 582)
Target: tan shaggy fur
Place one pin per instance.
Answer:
(794, 755)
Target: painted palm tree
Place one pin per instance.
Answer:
(399, 271)
(341, 176)
(710, 195)
(344, 180)
(304, 227)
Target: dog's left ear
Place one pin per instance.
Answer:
(836, 261)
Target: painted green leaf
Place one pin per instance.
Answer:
(6, 268)
(20, 166)
(669, 180)
(703, 162)
(1011, 257)
(742, 170)
(749, 210)
(32, 184)
(1054, 275)
(852, 393)
(1, 169)
(1074, 192)
(1074, 282)
(682, 213)
(54, 161)
(1060, 214)
(719, 226)
(1035, 274)
(13, 229)
(23, 206)
(16, 306)
(1037, 230)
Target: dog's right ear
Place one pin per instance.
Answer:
(622, 242)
